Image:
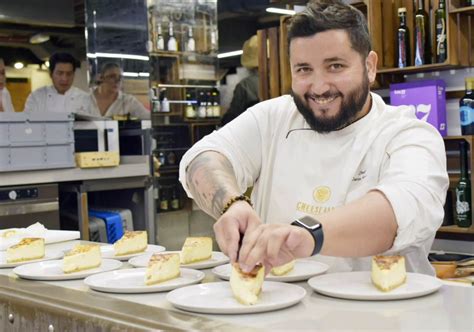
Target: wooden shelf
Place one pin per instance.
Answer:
(417, 69)
(456, 229)
(454, 232)
(203, 121)
(463, 10)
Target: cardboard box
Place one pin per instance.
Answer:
(427, 98)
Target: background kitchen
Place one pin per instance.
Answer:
(174, 84)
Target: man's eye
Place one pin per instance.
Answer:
(336, 66)
(303, 70)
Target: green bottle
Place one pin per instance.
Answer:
(463, 191)
(441, 36)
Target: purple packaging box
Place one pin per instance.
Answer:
(427, 98)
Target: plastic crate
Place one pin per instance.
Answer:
(113, 224)
(97, 230)
(126, 214)
(40, 140)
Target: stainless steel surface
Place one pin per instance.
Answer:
(449, 309)
(21, 206)
(16, 209)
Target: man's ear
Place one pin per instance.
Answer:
(371, 64)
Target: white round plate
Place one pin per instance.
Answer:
(132, 281)
(358, 286)
(303, 270)
(48, 255)
(218, 258)
(52, 270)
(108, 252)
(217, 298)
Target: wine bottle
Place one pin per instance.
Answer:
(421, 49)
(172, 42)
(441, 37)
(160, 41)
(466, 108)
(190, 44)
(403, 39)
(463, 191)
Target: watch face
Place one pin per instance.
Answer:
(310, 222)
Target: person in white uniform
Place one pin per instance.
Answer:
(108, 100)
(5, 98)
(61, 96)
(372, 175)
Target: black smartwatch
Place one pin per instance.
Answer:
(315, 228)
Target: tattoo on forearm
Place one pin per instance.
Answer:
(211, 180)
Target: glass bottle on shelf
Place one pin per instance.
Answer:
(162, 158)
(175, 201)
(201, 113)
(164, 200)
(213, 46)
(171, 158)
(463, 191)
(403, 39)
(421, 47)
(172, 42)
(209, 107)
(441, 37)
(160, 41)
(466, 108)
(165, 104)
(190, 111)
(190, 43)
(216, 107)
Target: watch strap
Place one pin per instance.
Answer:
(316, 233)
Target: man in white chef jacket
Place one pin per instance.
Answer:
(61, 96)
(5, 98)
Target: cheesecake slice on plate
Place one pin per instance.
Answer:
(131, 243)
(247, 287)
(162, 267)
(388, 272)
(82, 257)
(27, 249)
(196, 249)
(283, 269)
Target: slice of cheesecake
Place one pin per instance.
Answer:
(82, 257)
(131, 243)
(246, 287)
(28, 249)
(196, 249)
(162, 267)
(283, 269)
(388, 272)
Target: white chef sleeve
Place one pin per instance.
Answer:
(239, 141)
(414, 179)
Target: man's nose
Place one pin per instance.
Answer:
(319, 84)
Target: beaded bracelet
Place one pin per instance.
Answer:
(235, 199)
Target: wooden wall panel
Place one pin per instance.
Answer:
(274, 62)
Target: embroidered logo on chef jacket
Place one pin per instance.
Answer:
(322, 194)
(360, 176)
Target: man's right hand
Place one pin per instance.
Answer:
(234, 223)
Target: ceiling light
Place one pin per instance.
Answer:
(39, 38)
(229, 54)
(117, 56)
(46, 63)
(281, 11)
(18, 65)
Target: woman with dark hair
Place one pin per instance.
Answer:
(108, 100)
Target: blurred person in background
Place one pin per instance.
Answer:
(107, 99)
(246, 91)
(61, 96)
(5, 99)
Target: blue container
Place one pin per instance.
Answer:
(113, 223)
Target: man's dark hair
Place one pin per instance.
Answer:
(63, 57)
(323, 15)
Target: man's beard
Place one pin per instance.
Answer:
(351, 105)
